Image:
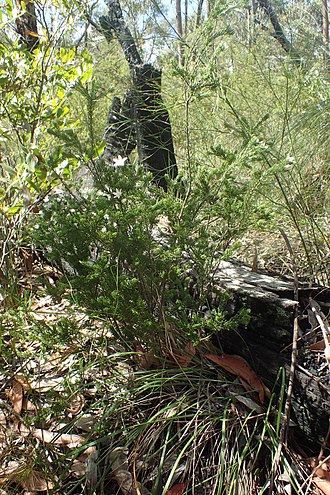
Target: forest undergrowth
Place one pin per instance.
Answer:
(83, 414)
(111, 381)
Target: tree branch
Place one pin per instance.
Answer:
(114, 23)
(278, 31)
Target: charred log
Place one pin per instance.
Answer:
(266, 341)
(26, 26)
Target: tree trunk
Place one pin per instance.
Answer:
(278, 31)
(26, 26)
(208, 8)
(266, 341)
(142, 119)
(185, 18)
(179, 29)
(199, 13)
(325, 15)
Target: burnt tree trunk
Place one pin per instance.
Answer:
(26, 26)
(142, 119)
(266, 342)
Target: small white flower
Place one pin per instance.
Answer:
(119, 162)
(106, 217)
(117, 194)
(290, 160)
(104, 229)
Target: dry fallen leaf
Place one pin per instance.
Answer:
(15, 395)
(321, 474)
(145, 359)
(186, 357)
(10, 468)
(70, 441)
(177, 489)
(78, 469)
(322, 484)
(75, 404)
(36, 482)
(120, 470)
(238, 366)
(317, 346)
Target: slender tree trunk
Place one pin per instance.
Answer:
(208, 8)
(26, 25)
(185, 17)
(278, 31)
(251, 14)
(325, 15)
(199, 13)
(179, 29)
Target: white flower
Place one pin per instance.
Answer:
(290, 160)
(106, 217)
(117, 194)
(104, 229)
(119, 162)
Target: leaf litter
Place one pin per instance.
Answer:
(53, 418)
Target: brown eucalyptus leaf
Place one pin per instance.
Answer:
(322, 484)
(177, 489)
(66, 439)
(15, 395)
(186, 357)
(238, 366)
(36, 482)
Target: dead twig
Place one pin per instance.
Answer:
(287, 407)
(322, 321)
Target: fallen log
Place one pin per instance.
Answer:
(266, 341)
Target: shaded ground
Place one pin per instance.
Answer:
(80, 413)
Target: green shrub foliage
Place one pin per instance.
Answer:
(133, 253)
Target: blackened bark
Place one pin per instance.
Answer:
(26, 26)
(154, 133)
(142, 119)
(114, 24)
(120, 136)
(266, 341)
